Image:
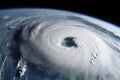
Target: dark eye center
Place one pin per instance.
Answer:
(69, 42)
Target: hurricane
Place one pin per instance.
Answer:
(46, 44)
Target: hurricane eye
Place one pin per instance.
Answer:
(69, 42)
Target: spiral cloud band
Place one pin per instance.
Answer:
(75, 46)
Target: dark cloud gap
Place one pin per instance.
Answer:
(14, 50)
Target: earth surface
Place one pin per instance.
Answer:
(48, 44)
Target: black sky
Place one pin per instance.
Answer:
(106, 10)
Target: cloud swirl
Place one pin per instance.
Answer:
(75, 46)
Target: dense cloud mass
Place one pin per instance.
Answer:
(64, 46)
